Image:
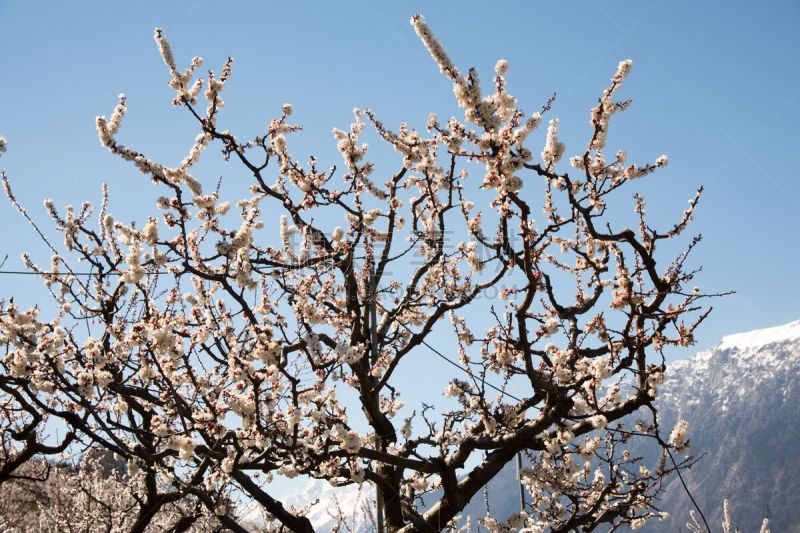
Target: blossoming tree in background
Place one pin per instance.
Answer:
(219, 354)
(88, 497)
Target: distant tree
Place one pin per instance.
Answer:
(89, 497)
(220, 354)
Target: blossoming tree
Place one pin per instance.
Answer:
(219, 355)
(87, 497)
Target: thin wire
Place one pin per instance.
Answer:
(423, 342)
(440, 354)
(43, 273)
(519, 459)
(688, 492)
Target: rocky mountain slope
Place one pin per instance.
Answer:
(742, 401)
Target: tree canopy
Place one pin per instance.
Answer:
(210, 350)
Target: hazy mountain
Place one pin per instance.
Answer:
(742, 401)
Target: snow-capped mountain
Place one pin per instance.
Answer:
(742, 401)
(740, 365)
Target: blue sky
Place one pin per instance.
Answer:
(715, 88)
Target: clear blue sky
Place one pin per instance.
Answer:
(714, 85)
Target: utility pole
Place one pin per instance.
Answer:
(373, 326)
(519, 481)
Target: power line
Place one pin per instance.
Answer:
(423, 342)
(501, 391)
(519, 460)
(42, 273)
(458, 366)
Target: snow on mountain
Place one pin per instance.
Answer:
(349, 499)
(326, 503)
(761, 337)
